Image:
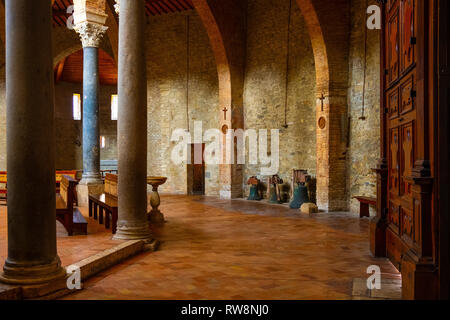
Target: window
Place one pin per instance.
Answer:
(102, 142)
(76, 106)
(114, 106)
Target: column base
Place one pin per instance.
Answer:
(85, 188)
(125, 232)
(21, 274)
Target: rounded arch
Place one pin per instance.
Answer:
(65, 52)
(218, 47)
(318, 44)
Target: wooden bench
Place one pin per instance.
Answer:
(70, 173)
(105, 172)
(58, 175)
(364, 203)
(106, 204)
(3, 186)
(71, 218)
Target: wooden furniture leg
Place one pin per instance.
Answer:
(107, 213)
(114, 221)
(95, 211)
(364, 210)
(100, 215)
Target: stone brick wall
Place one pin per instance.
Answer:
(69, 132)
(364, 149)
(265, 84)
(263, 97)
(167, 88)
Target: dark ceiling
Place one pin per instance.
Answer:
(152, 8)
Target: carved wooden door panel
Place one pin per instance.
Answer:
(401, 132)
(393, 43)
(408, 33)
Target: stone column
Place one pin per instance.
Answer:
(91, 34)
(32, 256)
(132, 123)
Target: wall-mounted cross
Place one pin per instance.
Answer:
(225, 113)
(322, 98)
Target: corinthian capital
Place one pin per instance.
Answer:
(90, 33)
(117, 6)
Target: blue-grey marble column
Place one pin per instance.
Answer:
(91, 117)
(91, 34)
(32, 255)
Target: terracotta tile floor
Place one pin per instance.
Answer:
(217, 249)
(70, 249)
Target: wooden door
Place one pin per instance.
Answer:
(442, 151)
(406, 225)
(196, 170)
(400, 97)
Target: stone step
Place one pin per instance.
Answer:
(88, 267)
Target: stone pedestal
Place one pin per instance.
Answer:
(155, 215)
(85, 189)
(32, 255)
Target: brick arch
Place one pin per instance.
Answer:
(65, 52)
(328, 26)
(218, 46)
(224, 22)
(318, 45)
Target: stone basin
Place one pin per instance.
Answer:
(156, 181)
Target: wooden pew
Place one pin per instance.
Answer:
(71, 218)
(3, 186)
(106, 203)
(70, 173)
(58, 175)
(105, 172)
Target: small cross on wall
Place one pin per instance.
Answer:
(322, 98)
(225, 113)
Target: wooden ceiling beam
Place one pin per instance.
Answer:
(60, 13)
(182, 4)
(166, 5)
(160, 7)
(189, 4)
(154, 9)
(175, 5)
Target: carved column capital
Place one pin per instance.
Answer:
(90, 33)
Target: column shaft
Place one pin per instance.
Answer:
(132, 123)
(32, 256)
(91, 122)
